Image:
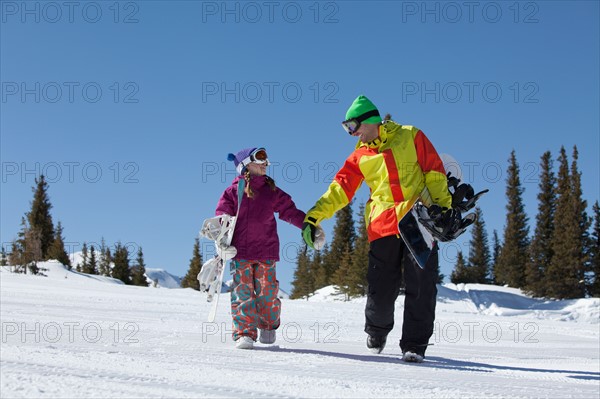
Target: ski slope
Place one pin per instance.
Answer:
(74, 335)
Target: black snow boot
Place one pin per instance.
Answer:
(376, 344)
(414, 354)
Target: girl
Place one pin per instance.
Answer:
(254, 302)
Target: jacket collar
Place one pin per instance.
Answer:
(255, 181)
(380, 141)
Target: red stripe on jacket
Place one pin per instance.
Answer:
(427, 155)
(392, 169)
(349, 176)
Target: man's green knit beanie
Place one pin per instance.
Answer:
(360, 106)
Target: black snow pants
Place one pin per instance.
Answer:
(388, 259)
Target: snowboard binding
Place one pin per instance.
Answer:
(448, 224)
(220, 230)
(208, 276)
(463, 195)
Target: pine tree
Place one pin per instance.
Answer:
(14, 256)
(57, 249)
(462, 273)
(26, 249)
(84, 265)
(138, 275)
(479, 252)
(496, 245)
(342, 277)
(33, 245)
(17, 254)
(584, 222)
(300, 285)
(110, 261)
(360, 256)
(39, 217)
(191, 278)
(308, 265)
(540, 250)
(105, 259)
(92, 266)
(565, 273)
(510, 268)
(319, 269)
(342, 242)
(595, 254)
(3, 257)
(121, 269)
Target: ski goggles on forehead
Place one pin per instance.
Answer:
(352, 125)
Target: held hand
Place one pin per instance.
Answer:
(313, 236)
(319, 241)
(308, 234)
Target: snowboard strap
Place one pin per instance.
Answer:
(463, 195)
(447, 224)
(240, 193)
(240, 196)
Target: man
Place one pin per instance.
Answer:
(400, 166)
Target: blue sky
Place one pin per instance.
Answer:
(130, 108)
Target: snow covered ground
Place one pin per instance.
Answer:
(74, 335)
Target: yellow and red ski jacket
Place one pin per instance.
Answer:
(397, 167)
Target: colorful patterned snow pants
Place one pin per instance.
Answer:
(254, 301)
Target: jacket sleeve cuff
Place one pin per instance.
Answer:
(311, 220)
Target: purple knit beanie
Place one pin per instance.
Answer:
(239, 157)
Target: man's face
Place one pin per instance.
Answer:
(367, 132)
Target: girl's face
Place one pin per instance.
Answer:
(257, 169)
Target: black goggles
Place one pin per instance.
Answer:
(352, 125)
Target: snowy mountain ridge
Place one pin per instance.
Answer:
(158, 278)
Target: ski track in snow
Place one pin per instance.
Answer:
(77, 337)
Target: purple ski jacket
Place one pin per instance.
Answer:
(255, 235)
